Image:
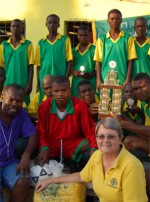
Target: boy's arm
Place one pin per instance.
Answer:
(38, 81)
(30, 52)
(98, 74)
(69, 57)
(68, 68)
(28, 88)
(37, 63)
(98, 59)
(129, 72)
(140, 130)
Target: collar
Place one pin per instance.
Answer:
(146, 41)
(21, 41)
(120, 34)
(69, 108)
(57, 37)
(77, 47)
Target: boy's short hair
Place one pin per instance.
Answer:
(83, 28)
(140, 76)
(17, 20)
(141, 18)
(114, 11)
(60, 79)
(53, 15)
(84, 82)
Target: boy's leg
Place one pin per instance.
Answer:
(85, 151)
(20, 190)
(18, 184)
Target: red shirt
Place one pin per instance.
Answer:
(76, 126)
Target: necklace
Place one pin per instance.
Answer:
(7, 142)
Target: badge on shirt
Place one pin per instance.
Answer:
(113, 182)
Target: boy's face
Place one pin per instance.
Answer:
(114, 20)
(140, 28)
(47, 87)
(83, 36)
(86, 93)
(16, 28)
(142, 89)
(52, 24)
(129, 92)
(61, 93)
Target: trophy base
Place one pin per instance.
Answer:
(111, 86)
(104, 115)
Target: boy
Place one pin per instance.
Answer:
(65, 126)
(83, 55)
(40, 97)
(142, 63)
(86, 93)
(17, 59)
(53, 54)
(114, 48)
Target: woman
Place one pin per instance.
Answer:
(116, 175)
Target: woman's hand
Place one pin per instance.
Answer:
(43, 184)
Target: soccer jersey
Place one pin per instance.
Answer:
(73, 129)
(146, 109)
(15, 61)
(142, 62)
(149, 50)
(121, 50)
(34, 104)
(118, 183)
(83, 59)
(133, 117)
(52, 57)
(20, 126)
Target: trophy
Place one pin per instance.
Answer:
(130, 102)
(82, 68)
(111, 93)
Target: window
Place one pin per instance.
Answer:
(5, 29)
(71, 30)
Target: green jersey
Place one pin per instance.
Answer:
(142, 62)
(83, 59)
(121, 50)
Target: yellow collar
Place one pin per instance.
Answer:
(57, 37)
(21, 41)
(120, 34)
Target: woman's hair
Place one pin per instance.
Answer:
(109, 123)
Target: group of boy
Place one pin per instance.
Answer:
(65, 127)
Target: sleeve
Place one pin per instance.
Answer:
(86, 172)
(149, 52)
(134, 184)
(42, 125)
(131, 49)
(98, 51)
(37, 56)
(30, 54)
(68, 50)
(87, 125)
(33, 106)
(28, 128)
(1, 56)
